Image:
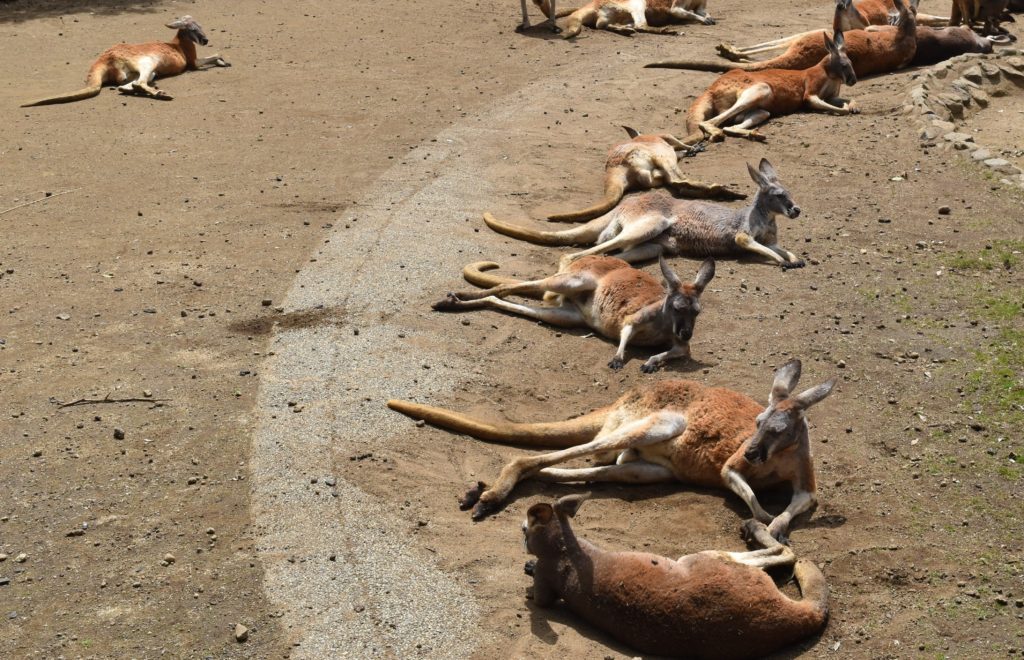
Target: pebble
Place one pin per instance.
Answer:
(266, 302)
(118, 434)
(945, 210)
(241, 633)
(4, 581)
(169, 558)
(21, 558)
(3, 556)
(37, 453)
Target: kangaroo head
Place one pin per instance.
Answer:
(546, 525)
(771, 193)
(839, 66)
(682, 300)
(906, 13)
(187, 26)
(848, 17)
(782, 424)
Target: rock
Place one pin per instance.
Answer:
(266, 302)
(4, 581)
(944, 126)
(990, 70)
(63, 317)
(21, 558)
(973, 74)
(169, 558)
(3, 556)
(118, 434)
(37, 453)
(945, 210)
(958, 137)
(1002, 165)
(980, 98)
(981, 154)
(929, 133)
(241, 633)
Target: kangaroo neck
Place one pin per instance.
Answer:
(186, 46)
(759, 214)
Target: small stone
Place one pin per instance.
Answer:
(118, 434)
(63, 317)
(241, 633)
(266, 302)
(981, 154)
(21, 558)
(169, 558)
(958, 137)
(1001, 165)
(420, 423)
(944, 126)
(945, 210)
(147, 393)
(841, 364)
(37, 453)
(330, 481)
(358, 608)
(4, 581)
(3, 556)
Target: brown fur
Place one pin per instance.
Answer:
(618, 16)
(711, 604)
(669, 430)
(144, 61)
(988, 12)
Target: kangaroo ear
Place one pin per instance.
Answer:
(830, 45)
(808, 398)
(539, 514)
(756, 176)
(570, 504)
(673, 281)
(631, 132)
(704, 275)
(767, 170)
(786, 378)
(181, 23)
(839, 41)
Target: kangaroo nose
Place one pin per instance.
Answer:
(794, 212)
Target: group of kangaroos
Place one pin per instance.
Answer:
(712, 604)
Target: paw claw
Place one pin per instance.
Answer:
(616, 364)
(482, 510)
(472, 496)
(649, 368)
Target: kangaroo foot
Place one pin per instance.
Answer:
(730, 53)
(789, 265)
(483, 509)
(708, 20)
(472, 496)
(450, 303)
(750, 528)
(616, 364)
(650, 367)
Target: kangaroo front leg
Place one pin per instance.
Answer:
(214, 60)
(737, 484)
(525, 25)
(687, 15)
(746, 241)
(792, 261)
(846, 108)
(652, 429)
(802, 501)
(620, 355)
(656, 361)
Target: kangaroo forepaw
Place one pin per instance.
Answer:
(750, 528)
(450, 303)
(789, 265)
(221, 62)
(483, 509)
(530, 566)
(649, 367)
(472, 496)
(708, 20)
(521, 27)
(616, 363)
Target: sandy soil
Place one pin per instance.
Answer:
(200, 235)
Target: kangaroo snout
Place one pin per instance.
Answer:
(793, 212)
(756, 454)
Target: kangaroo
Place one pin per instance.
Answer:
(712, 604)
(988, 12)
(643, 162)
(627, 17)
(548, 7)
(611, 297)
(857, 15)
(870, 52)
(651, 224)
(670, 430)
(134, 66)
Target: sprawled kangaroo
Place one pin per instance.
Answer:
(611, 297)
(740, 100)
(644, 162)
(859, 15)
(712, 604)
(671, 430)
(647, 225)
(134, 66)
(870, 52)
(630, 16)
(988, 12)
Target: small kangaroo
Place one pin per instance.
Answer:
(609, 296)
(627, 17)
(643, 162)
(714, 604)
(748, 99)
(652, 224)
(670, 430)
(134, 66)
(857, 15)
(871, 52)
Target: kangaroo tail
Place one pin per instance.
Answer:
(581, 235)
(475, 275)
(701, 110)
(701, 65)
(93, 88)
(813, 587)
(547, 434)
(614, 189)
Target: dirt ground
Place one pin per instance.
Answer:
(159, 272)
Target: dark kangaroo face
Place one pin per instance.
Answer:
(191, 29)
(771, 191)
(839, 65)
(682, 301)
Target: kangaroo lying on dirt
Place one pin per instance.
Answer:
(645, 161)
(610, 296)
(988, 12)
(628, 17)
(671, 430)
(712, 604)
(738, 101)
(652, 224)
(858, 15)
(136, 65)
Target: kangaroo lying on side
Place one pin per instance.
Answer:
(644, 162)
(738, 101)
(989, 12)
(134, 66)
(857, 15)
(712, 604)
(652, 224)
(628, 17)
(671, 430)
(610, 296)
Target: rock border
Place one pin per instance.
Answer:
(945, 95)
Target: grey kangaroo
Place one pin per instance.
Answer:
(609, 296)
(652, 224)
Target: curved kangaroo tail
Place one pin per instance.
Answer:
(546, 434)
(813, 587)
(614, 189)
(702, 65)
(475, 275)
(93, 88)
(581, 235)
(701, 110)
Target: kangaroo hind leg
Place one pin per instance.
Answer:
(641, 230)
(752, 98)
(562, 284)
(745, 128)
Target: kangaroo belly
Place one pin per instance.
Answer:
(704, 231)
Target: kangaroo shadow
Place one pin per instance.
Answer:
(19, 11)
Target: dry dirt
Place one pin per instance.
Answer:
(148, 280)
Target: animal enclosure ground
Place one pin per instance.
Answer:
(149, 281)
